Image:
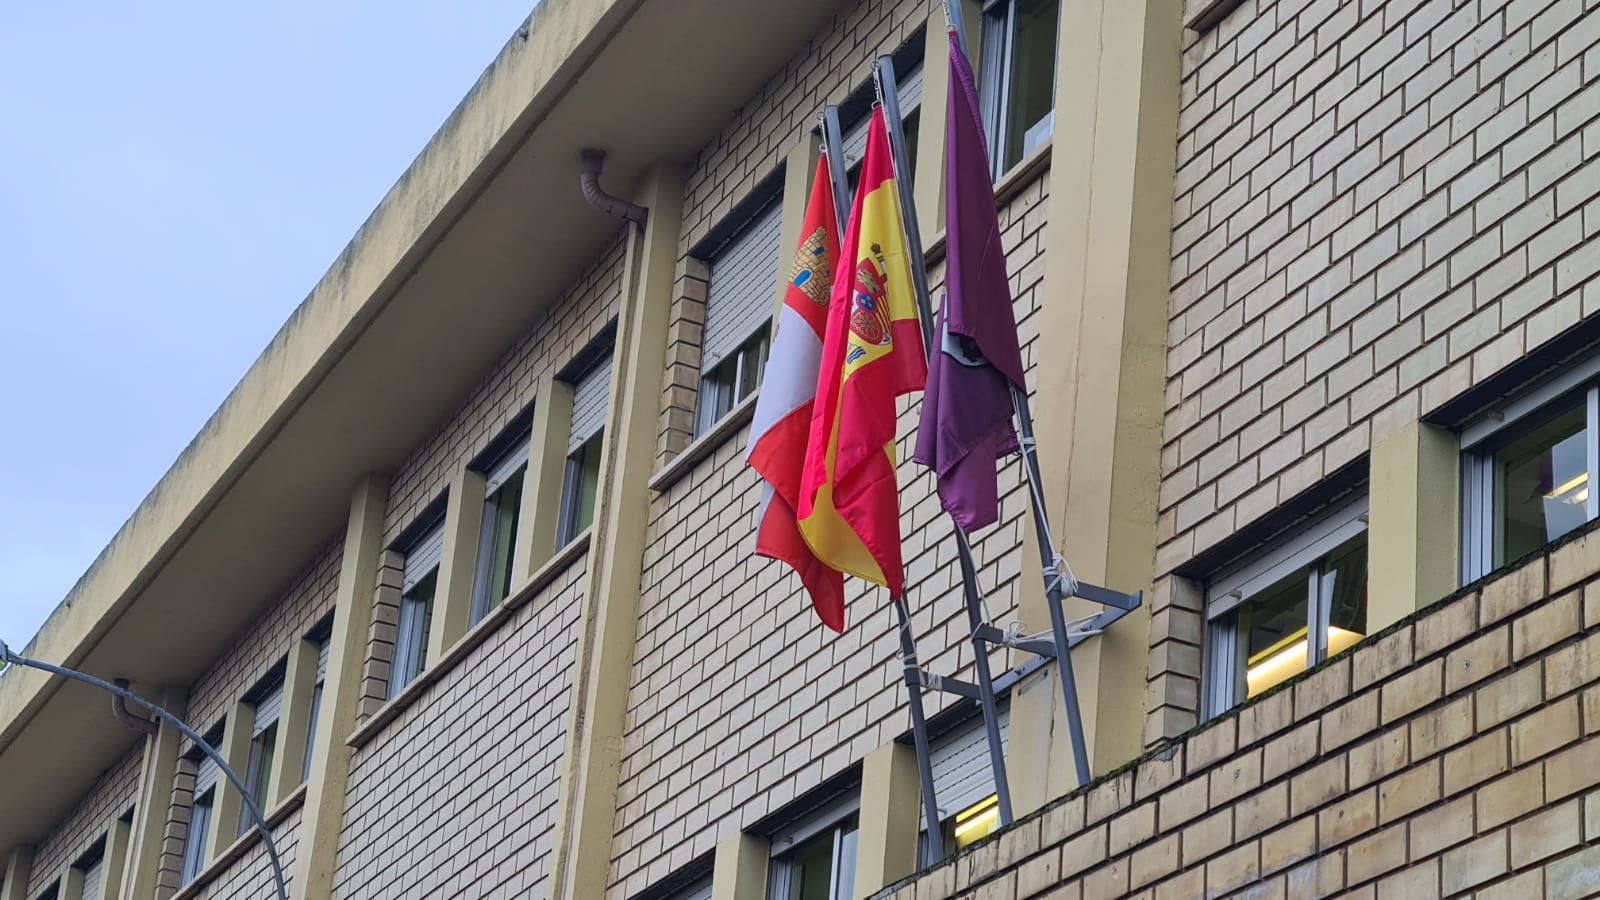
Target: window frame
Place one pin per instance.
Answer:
(841, 818)
(415, 619)
(314, 707)
(504, 470)
(995, 63)
(570, 524)
(263, 749)
(1236, 585)
(91, 869)
(196, 853)
(1484, 436)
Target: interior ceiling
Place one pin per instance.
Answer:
(663, 86)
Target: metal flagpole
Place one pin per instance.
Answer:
(1058, 579)
(888, 95)
(911, 668)
(9, 658)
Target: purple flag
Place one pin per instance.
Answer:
(966, 411)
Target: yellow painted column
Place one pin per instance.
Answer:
(299, 683)
(235, 748)
(156, 775)
(323, 815)
(1100, 373)
(463, 522)
(71, 884)
(891, 802)
(19, 868)
(608, 625)
(541, 489)
(115, 860)
(928, 182)
(1413, 520)
(739, 871)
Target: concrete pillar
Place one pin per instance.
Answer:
(156, 774)
(452, 601)
(235, 748)
(1413, 521)
(323, 815)
(71, 884)
(1100, 385)
(608, 624)
(299, 683)
(19, 868)
(114, 864)
(541, 487)
(928, 180)
(891, 804)
(739, 871)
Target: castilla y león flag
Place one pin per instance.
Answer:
(849, 510)
(783, 411)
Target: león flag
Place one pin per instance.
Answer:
(849, 510)
(783, 411)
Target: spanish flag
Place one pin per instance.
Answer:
(871, 353)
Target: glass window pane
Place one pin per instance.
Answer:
(194, 844)
(311, 731)
(1031, 79)
(974, 823)
(1344, 584)
(589, 484)
(1272, 633)
(845, 881)
(1541, 486)
(811, 869)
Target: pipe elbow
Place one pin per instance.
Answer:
(593, 163)
(119, 711)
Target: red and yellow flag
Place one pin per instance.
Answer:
(872, 353)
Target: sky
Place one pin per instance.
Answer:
(174, 178)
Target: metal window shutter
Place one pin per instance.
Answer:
(424, 557)
(91, 882)
(206, 778)
(267, 710)
(742, 290)
(322, 660)
(589, 399)
(505, 467)
(854, 141)
(960, 759)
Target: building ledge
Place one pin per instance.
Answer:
(476, 635)
(706, 444)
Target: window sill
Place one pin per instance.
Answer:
(706, 444)
(1209, 13)
(476, 635)
(236, 850)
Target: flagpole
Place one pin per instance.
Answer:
(969, 572)
(1057, 574)
(910, 665)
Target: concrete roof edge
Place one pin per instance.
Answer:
(557, 41)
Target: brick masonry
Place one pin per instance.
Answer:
(113, 794)
(1378, 206)
(1454, 753)
(482, 750)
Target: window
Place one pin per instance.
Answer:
(908, 90)
(263, 747)
(205, 800)
(418, 584)
(1017, 81)
(1286, 609)
(52, 892)
(316, 707)
(963, 783)
(590, 397)
(91, 868)
(1526, 472)
(739, 303)
(817, 859)
(491, 580)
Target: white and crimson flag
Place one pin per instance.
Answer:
(782, 424)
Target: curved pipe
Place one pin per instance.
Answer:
(119, 711)
(616, 207)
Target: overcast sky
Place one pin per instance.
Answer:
(174, 178)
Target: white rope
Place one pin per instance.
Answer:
(1058, 575)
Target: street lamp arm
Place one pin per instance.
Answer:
(10, 658)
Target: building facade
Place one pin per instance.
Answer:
(460, 578)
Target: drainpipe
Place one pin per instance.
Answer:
(119, 711)
(616, 207)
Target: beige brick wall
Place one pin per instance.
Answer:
(113, 793)
(456, 797)
(1378, 205)
(749, 150)
(1453, 753)
(507, 388)
(741, 701)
